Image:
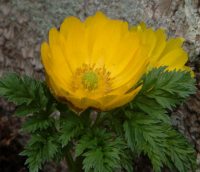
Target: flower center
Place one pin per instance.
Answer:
(90, 80)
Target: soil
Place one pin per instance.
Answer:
(11, 145)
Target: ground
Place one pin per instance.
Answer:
(24, 24)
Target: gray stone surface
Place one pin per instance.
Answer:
(25, 23)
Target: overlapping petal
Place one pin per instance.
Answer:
(163, 51)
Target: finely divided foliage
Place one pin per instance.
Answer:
(108, 142)
(28, 94)
(164, 88)
(102, 151)
(39, 150)
(162, 144)
(71, 126)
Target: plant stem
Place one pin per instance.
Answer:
(73, 166)
(70, 162)
(97, 119)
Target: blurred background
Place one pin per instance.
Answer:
(24, 24)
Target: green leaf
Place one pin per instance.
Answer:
(102, 152)
(29, 94)
(13, 88)
(162, 144)
(155, 114)
(24, 109)
(71, 126)
(162, 88)
(38, 122)
(126, 160)
(39, 150)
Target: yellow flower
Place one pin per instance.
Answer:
(98, 62)
(94, 63)
(163, 52)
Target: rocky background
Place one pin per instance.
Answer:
(24, 24)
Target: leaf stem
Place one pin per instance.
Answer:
(97, 119)
(70, 162)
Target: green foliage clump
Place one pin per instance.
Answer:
(164, 89)
(109, 141)
(160, 142)
(102, 151)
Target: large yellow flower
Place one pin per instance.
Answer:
(95, 63)
(98, 62)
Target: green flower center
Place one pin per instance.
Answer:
(90, 80)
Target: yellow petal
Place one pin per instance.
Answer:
(140, 27)
(45, 53)
(161, 43)
(76, 51)
(83, 103)
(121, 100)
(53, 59)
(132, 72)
(104, 36)
(188, 69)
(175, 59)
(124, 53)
(172, 43)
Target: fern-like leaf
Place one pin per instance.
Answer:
(162, 144)
(39, 150)
(102, 152)
(162, 88)
(29, 94)
(71, 126)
